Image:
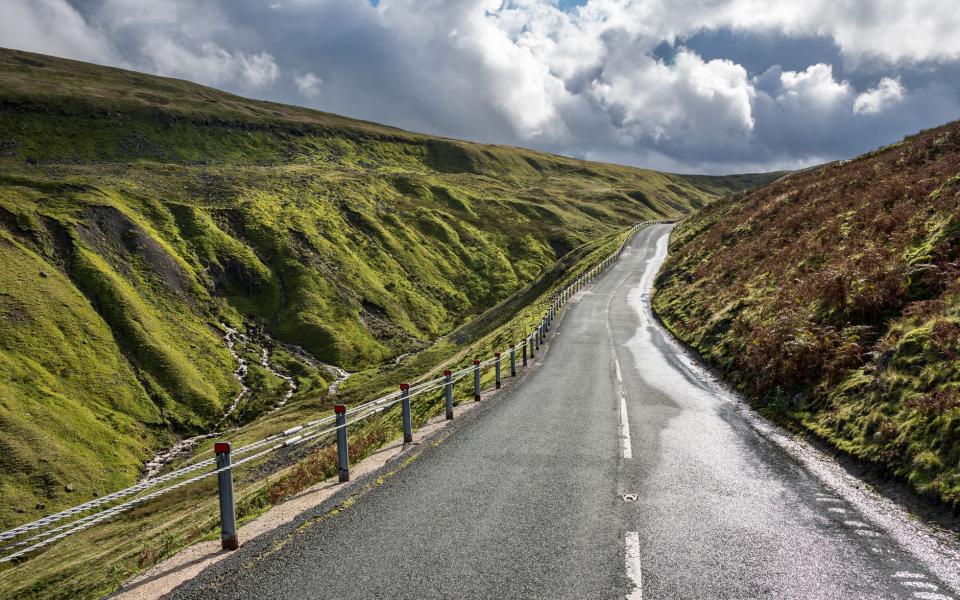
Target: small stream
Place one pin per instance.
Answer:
(291, 382)
(232, 338)
(153, 467)
(339, 375)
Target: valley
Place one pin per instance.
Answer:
(149, 226)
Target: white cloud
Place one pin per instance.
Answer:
(209, 63)
(309, 84)
(887, 93)
(707, 100)
(892, 30)
(258, 70)
(53, 27)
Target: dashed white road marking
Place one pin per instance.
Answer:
(632, 560)
(908, 575)
(837, 509)
(922, 585)
(625, 429)
(616, 363)
(931, 596)
(858, 524)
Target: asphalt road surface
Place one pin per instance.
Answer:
(615, 469)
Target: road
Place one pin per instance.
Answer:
(615, 469)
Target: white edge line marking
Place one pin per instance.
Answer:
(631, 559)
(616, 363)
(625, 429)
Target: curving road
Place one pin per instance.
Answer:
(616, 469)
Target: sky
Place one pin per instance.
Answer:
(707, 86)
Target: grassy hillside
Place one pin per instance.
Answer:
(143, 219)
(832, 298)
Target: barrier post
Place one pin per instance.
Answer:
(228, 515)
(407, 421)
(448, 392)
(513, 361)
(497, 370)
(343, 450)
(525, 351)
(476, 380)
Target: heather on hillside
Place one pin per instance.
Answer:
(832, 298)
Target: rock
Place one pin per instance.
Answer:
(43, 274)
(40, 506)
(884, 360)
(69, 487)
(799, 400)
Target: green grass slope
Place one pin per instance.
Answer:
(832, 298)
(140, 217)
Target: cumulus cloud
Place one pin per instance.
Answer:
(887, 93)
(892, 30)
(610, 79)
(53, 27)
(209, 63)
(309, 85)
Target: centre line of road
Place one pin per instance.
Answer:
(616, 363)
(625, 429)
(632, 559)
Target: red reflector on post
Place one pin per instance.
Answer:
(339, 408)
(447, 373)
(404, 387)
(476, 362)
(221, 447)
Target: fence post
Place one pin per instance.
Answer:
(497, 369)
(525, 351)
(343, 450)
(533, 344)
(407, 421)
(228, 516)
(448, 392)
(513, 361)
(476, 380)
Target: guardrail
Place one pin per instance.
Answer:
(36, 535)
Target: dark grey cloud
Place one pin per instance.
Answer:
(689, 85)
